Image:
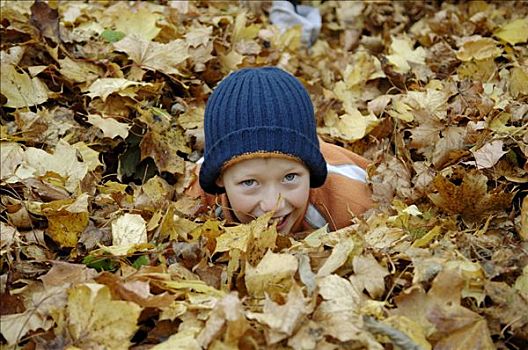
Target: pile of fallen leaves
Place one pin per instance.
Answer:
(102, 121)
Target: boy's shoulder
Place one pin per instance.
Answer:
(345, 190)
(336, 155)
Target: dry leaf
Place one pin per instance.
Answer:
(471, 198)
(478, 48)
(129, 229)
(369, 274)
(110, 127)
(489, 154)
(514, 32)
(282, 320)
(403, 54)
(20, 89)
(90, 310)
(339, 313)
(154, 56)
(104, 87)
(274, 273)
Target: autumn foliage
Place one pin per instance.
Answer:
(102, 122)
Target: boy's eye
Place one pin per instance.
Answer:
(248, 183)
(290, 177)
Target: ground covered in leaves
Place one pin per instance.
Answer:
(101, 123)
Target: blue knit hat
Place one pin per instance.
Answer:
(259, 110)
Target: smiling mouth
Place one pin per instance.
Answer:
(280, 221)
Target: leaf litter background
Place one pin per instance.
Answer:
(102, 106)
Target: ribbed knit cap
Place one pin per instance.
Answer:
(259, 110)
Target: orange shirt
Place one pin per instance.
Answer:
(345, 193)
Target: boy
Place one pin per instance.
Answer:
(262, 154)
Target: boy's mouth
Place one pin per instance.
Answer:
(280, 221)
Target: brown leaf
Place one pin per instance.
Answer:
(46, 19)
(471, 198)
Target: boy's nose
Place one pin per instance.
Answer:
(271, 200)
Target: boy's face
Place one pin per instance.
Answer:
(259, 185)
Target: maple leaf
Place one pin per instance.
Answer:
(369, 273)
(337, 258)
(441, 316)
(20, 89)
(228, 319)
(471, 198)
(141, 23)
(110, 127)
(79, 71)
(489, 154)
(274, 273)
(478, 48)
(67, 218)
(513, 32)
(129, 229)
(154, 56)
(339, 313)
(104, 87)
(282, 320)
(403, 54)
(92, 319)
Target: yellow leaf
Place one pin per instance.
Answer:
(401, 110)
(198, 35)
(155, 56)
(163, 146)
(402, 53)
(366, 67)
(89, 156)
(427, 238)
(518, 82)
(282, 320)
(339, 313)
(521, 284)
(110, 127)
(20, 89)
(226, 322)
(337, 258)
(63, 162)
(104, 87)
(411, 328)
(273, 274)
(94, 320)
(237, 237)
(349, 127)
(16, 326)
(523, 231)
(129, 229)
(79, 71)
(198, 286)
(192, 118)
(241, 32)
(478, 48)
(370, 274)
(473, 276)
(65, 226)
(230, 61)
(12, 154)
(141, 23)
(482, 70)
(514, 32)
(183, 339)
